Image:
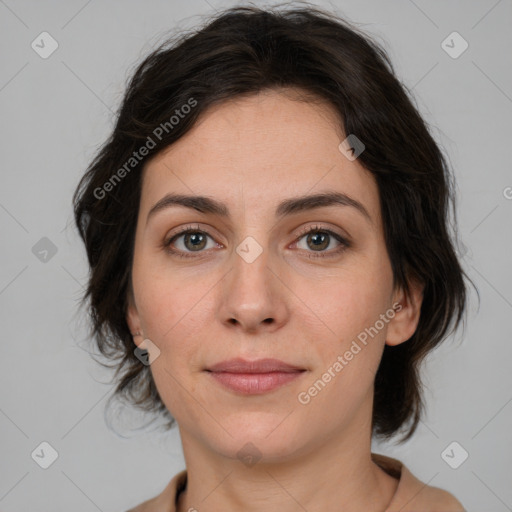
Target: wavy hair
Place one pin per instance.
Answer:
(244, 50)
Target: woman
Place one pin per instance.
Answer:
(270, 262)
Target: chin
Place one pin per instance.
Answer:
(268, 439)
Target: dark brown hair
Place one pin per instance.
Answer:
(244, 50)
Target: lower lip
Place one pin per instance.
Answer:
(254, 383)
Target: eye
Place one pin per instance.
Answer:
(193, 240)
(318, 239)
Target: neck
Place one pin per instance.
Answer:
(334, 474)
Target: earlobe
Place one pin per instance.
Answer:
(407, 314)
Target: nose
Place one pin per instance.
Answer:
(253, 296)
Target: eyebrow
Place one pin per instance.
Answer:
(205, 204)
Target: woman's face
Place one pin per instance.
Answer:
(251, 283)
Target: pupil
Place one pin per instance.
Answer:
(321, 240)
(196, 239)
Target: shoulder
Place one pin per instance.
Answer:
(412, 495)
(433, 499)
(166, 499)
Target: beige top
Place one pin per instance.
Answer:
(411, 495)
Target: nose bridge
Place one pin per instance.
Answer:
(251, 273)
(252, 293)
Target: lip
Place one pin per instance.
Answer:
(254, 377)
(239, 365)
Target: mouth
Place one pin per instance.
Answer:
(254, 377)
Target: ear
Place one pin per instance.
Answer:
(132, 319)
(407, 314)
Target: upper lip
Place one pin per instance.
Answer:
(239, 365)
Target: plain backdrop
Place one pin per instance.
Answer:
(57, 111)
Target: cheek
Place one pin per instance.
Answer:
(177, 324)
(176, 316)
(350, 337)
(178, 393)
(348, 355)
(347, 305)
(174, 306)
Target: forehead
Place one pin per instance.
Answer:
(266, 147)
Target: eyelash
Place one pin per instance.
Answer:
(311, 229)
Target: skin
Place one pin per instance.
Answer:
(251, 153)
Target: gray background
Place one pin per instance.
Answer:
(57, 111)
